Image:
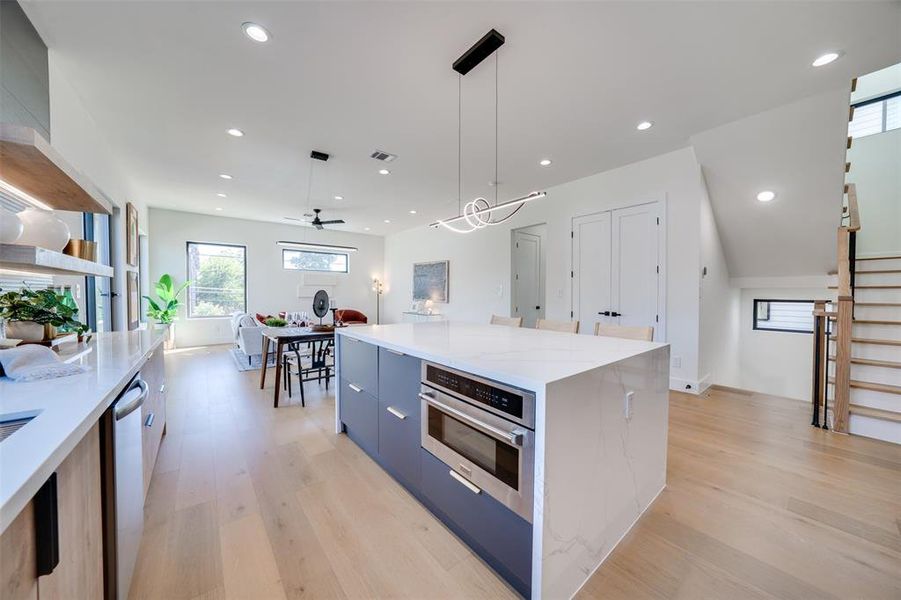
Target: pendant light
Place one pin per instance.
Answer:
(479, 213)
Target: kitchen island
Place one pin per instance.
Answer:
(539, 449)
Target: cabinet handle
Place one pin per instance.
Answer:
(46, 527)
(149, 421)
(396, 413)
(395, 352)
(163, 389)
(355, 388)
(468, 484)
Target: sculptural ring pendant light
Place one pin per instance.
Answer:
(479, 213)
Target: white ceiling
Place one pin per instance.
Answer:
(164, 80)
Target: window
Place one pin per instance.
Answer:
(310, 260)
(876, 116)
(217, 273)
(784, 315)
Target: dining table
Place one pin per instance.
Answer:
(291, 337)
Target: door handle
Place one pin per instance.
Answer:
(355, 388)
(396, 413)
(606, 313)
(537, 308)
(613, 313)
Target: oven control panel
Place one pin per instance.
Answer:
(508, 401)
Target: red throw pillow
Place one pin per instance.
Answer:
(262, 318)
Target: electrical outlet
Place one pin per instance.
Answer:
(677, 362)
(627, 405)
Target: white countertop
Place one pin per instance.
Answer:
(526, 358)
(67, 408)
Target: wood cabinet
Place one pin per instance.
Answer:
(153, 412)
(79, 572)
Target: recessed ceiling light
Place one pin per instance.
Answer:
(766, 196)
(412, 212)
(644, 125)
(545, 162)
(384, 172)
(825, 59)
(387, 220)
(339, 197)
(218, 208)
(225, 176)
(366, 229)
(221, 195)
(255, 32)
(235, 132)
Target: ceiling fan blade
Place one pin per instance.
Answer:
(318, 226)
(333, 222)
(295, 219)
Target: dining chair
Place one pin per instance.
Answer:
(629, 333)
(564, 326)
(508, 321)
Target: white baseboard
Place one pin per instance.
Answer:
(684, 385)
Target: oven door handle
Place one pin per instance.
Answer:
(513, 438)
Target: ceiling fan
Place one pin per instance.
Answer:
(316, 221)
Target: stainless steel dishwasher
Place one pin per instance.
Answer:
(123, 487)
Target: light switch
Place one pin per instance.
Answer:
(627, 406)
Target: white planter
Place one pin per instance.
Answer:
(11, 227)
(29, 331)
(43, 229)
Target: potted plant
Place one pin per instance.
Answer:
(34, 316)
(276, 322)
(165, 308)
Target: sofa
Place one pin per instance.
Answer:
(248, 334)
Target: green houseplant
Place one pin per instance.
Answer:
(275, 322)
(165, 308)
(34, 316)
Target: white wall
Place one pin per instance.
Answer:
(480, 261)
(776, 362)
(719, 306)
(875, 161)
(270, 288)
(878, 83)
(76, 136)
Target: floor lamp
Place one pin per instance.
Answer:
(379, 288)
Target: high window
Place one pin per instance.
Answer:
(794, 316)
(312, 260)
(217, 273)
(876, 116)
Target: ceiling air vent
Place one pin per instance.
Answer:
(383, 156)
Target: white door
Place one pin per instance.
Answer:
(616, 274)
(591, 269)
(527, 302)
(635, 268)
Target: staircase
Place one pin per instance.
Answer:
(875, 362)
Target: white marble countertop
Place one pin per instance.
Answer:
(526, 358)
(66, 409)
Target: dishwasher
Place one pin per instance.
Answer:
(123, 487)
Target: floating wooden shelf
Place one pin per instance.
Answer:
(48, 262)
(29, 163)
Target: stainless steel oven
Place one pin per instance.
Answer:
(484, 431)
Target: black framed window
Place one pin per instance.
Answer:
(792, 316)
(876, 115)
(218, 276)
(314, 260)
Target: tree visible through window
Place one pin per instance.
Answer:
(217, 275)
(308, 260)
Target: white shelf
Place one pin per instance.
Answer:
(47, 262)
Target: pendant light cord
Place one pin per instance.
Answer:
(460, 144)
(496, 182)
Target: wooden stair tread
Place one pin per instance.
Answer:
(878, 258)
(871, 341)
(875, 387)
(875, 413)
(874, 322)
(872, 362)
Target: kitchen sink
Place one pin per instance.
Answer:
(11, 423)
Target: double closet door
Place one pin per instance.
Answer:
(616, 278)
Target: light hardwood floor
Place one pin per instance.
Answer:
(248, 501)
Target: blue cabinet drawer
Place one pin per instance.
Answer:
(501, 537)
(360, 364)
(399, 376)
(360, 415)
(399, 443)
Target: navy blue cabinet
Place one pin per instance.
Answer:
(501, 537)
(399, 433)
(360, 364)
(360, 415)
